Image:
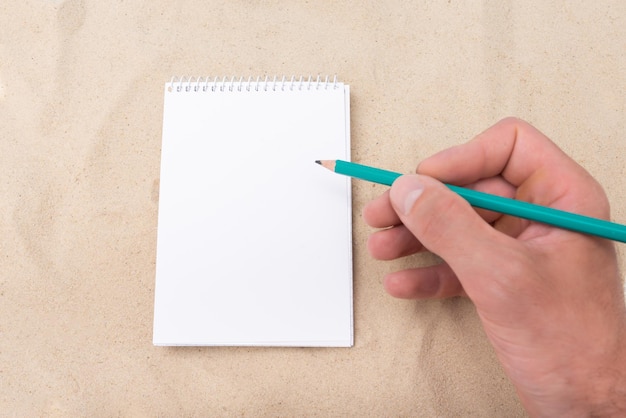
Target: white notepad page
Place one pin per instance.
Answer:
(254, 243)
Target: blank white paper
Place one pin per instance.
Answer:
(254, 243)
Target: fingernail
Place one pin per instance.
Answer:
(405, 192)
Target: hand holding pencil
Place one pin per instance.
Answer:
(551, 301)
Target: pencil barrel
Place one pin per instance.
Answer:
(521, 209)
(543, 214)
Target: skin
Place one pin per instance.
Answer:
(551, 301)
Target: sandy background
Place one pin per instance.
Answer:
(81, 92)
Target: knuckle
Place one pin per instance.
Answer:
(512, 120)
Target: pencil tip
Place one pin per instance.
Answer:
(329, 164)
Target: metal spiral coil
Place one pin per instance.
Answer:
(230, 84)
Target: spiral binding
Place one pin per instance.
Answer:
(223, 84)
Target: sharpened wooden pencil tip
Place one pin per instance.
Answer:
(329, 164)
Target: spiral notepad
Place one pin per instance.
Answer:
(254, 239)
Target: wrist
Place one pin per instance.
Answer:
(589, 385)
(608, 388)
(603, 392)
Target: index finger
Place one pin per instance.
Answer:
(511, 148)
(526, 159)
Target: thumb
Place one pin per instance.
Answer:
(445, 224)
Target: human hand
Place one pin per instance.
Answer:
(551, 301)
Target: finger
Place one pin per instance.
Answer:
(433, 282)
(510, 225)
(496, 186)
(541, 188)
(538, 188)
(379, 213)
(511, 148)
(515, 150)
(448, 226)
(393, 243)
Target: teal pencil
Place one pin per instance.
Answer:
(530, 211)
